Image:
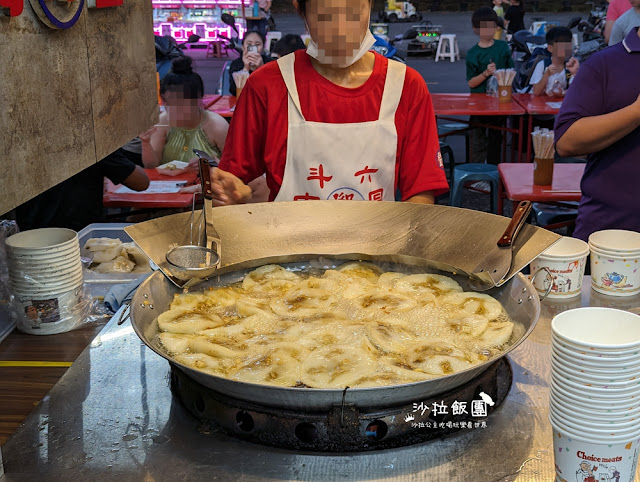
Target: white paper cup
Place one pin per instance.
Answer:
(615, 275)
(602, 422)
(599, 328)
(617, 240)
(615, 390)
(603, 360)
(614, 376)
(577, 457)
(566, 261)
(602, 397)
(56, 313)
(582, 402)
(616, 353)
(41, 241)
(45, 258)
(591, 412)
(44, 289)
(600, 434)
(629, 365)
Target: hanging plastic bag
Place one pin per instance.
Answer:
(492, 86)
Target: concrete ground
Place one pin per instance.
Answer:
(441, 77)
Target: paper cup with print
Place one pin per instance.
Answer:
(566, 261)
(585, 459)
(615, 275)
(50, 313)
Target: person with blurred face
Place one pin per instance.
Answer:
(253, 57)
(554, 74)
(335, 121)
(184, 125)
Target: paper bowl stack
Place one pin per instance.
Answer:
(615, 262)
(45, 274)
(594, 404)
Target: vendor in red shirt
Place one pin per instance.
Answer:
(333, 122)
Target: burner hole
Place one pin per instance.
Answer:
(199, 405)
(306, 432)
(245, 421)
(376, 430)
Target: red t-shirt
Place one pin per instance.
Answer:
(617, 8)
(257, 139)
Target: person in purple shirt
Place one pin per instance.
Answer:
(600, 116)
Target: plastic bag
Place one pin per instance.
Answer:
(492, 86)
(556, 85)
(48, 295)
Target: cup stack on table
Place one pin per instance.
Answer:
(45, 274)
(615, 262)
(544, 152)
(595, 394)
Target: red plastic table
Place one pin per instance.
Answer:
(480, 105)
(220, 104)
(143, 200)
(536, 105)
(516, 181)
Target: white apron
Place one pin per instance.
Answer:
(354, 161)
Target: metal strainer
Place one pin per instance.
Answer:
(192, 263)
(189, 262)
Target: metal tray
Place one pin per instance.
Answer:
(106, 230)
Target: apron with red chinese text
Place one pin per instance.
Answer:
(355, 161)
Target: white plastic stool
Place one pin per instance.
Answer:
(448, 48)
(271, 36)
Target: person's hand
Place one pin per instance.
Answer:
(255, 60)
(251, 61)
(573, 65)
(552, 69)
(491, 68)
(228, 189)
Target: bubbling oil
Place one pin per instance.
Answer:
(355, 326)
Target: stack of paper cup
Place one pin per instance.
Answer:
(565, 260)
(615, 262)
(594, 406)
(45, 274)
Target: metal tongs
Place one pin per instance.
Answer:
(193, 263)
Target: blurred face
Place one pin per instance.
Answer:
(561, 49)
(182, 112)
(338, 26)
(253, 43)
(635, 3)
(487, 30)
(497, 2)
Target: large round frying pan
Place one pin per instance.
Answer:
(154, 296)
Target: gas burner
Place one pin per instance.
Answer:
(347, 428)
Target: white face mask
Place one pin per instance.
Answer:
(319, 54)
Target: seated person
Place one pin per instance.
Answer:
(252, 57)
(184, 125)
(627, 21)
(77, 202)
(287, 44)
(554, 74)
